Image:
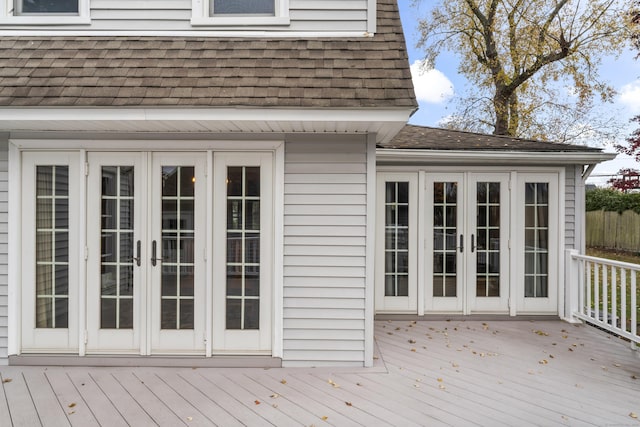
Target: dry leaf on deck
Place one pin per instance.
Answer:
(275, 395)
(71, 405)
(7, 380)
(633, 415)
(325, 418)
(257, 402)
(348, 403)
(283, 381)
(412, 341)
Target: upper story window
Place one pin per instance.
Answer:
(230, 13)
(44, 12)
(66, 7)
(243, 7)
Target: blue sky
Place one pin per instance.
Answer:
(438, 86)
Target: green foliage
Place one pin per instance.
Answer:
(610, 200)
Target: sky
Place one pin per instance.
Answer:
(435, 88)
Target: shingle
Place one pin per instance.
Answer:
(427, 138)
(110, 71)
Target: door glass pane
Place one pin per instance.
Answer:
(52, 247)
(445, 235)
(243, 248)
(396, 224)
(536, 249)
(116, 249)
(488, 239)
(177, 248)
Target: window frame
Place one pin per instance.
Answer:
(201, 16)
(8, 15)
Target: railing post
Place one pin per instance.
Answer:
(572, 286)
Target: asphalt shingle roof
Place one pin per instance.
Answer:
(364, 72)
(427, 138)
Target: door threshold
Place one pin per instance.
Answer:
(469, 317)
(225, 361)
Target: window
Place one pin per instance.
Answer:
(396, 239)
(240, 12)
(536, 240)
(243, 7)
(44, 12)
(67, 7)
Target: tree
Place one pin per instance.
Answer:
(626, 179)
(519, 55)
(633, 141)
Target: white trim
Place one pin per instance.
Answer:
(562, 218)
(277, 349)
(194, 32)
(208, 328)
(422, 275)
(144, 145)
(369, 292)
(372, 16)
(201, 15)
(8, 16)
(513, 253)
(15, 250)
(461, 157)
(82, 236)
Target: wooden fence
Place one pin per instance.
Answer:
(613, 230)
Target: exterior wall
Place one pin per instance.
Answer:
(325, 222)
(4, 244)
(571, 232)
(175, 15)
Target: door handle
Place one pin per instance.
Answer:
(154, 260)
(137, 258)
(473, 243)
(461, 243)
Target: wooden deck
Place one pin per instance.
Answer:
(500, 373)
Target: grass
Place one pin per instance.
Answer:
(624, 257)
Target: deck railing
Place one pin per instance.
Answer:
(608, 295)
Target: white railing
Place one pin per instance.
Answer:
(608, 295)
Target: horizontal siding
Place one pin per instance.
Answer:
(175, 15)
(570, 208)
(324, 253)
(4, 253)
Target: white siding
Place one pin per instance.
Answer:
(4, 214)
(324, 253)
(175, 15)
(570, 208)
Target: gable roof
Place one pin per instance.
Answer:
(365, 72)
(428, 138)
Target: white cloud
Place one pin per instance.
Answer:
(630, 96)
(430, 85)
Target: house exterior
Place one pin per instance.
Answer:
(198, 182)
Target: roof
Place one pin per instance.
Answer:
(428, 138)
(360, 72)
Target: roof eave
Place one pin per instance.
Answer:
(384, 122)
(494, 157)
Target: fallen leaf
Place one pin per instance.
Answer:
(274, 405)
(634, 377)
(325, 418)
(543, 362)
(413, 349)
(334, 385)
(7, 380)
(398, 328)
(189, 418)
(275, 395)
(570, 349)
(348, 403)
(541, 333)
(617, 365)
(551, 356)
(71, 405)
(72, 412)
(441, 387)
(412, 341)
(389, 333)
(283, 381)
(416, 385)
(455, 365)
(439, 380)
(633, 415)
(257, 402)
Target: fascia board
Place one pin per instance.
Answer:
(417, 156)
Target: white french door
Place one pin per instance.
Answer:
(146, 248)
(467, 242)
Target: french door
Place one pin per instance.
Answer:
(467, 242)
(145, 232)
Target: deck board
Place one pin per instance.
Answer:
(428, 373)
